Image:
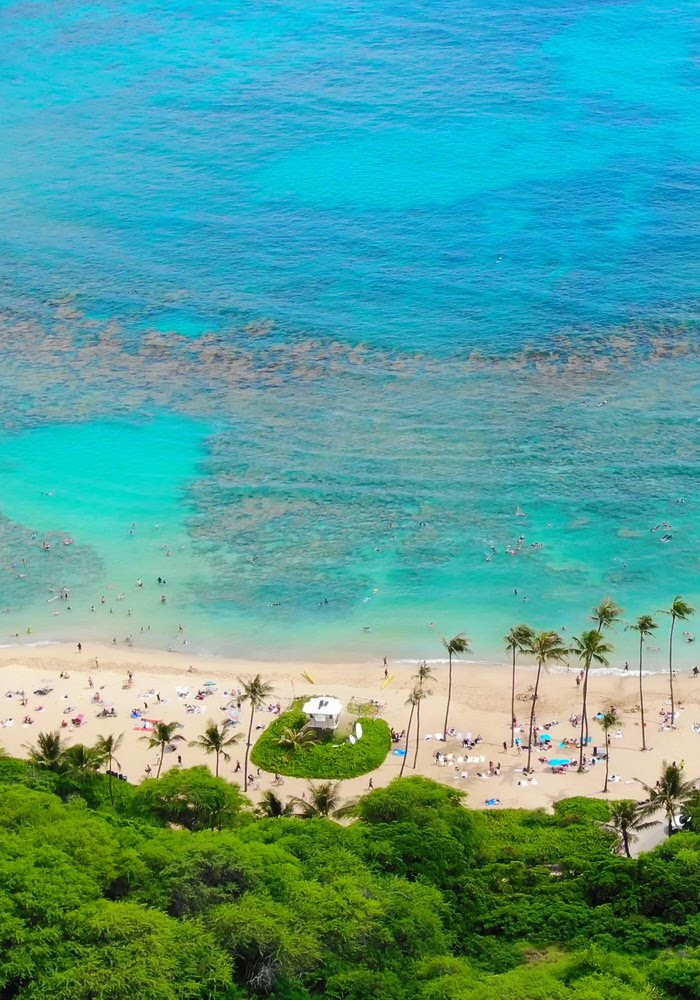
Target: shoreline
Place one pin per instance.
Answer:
(480, 705)
(123, 648)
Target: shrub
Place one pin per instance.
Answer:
(582, 810)
(332, 758)
(192, 798)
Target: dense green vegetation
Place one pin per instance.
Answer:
(178, 892)
(330, 757)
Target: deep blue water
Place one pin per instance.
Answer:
(402, 173)
(426, 180)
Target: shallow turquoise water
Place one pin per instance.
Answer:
(327, 293)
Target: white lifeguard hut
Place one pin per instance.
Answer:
(323, 712)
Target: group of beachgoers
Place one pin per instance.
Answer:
(21, 568)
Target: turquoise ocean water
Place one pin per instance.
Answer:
(348, 321)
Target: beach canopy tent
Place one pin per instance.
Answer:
(323, 712)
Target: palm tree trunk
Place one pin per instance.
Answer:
(111, 793)
(160, 762)
(512, 701)
(247, 748)
(449, 697)
(415, 756)
(216, 768)
(641, 691)
(670, 670)
(582, 740)
(599, 630)
(408, 733)
(607, 760)
(532, 712)
(626, 843)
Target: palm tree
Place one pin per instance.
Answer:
(545, 647)
(162, 735)
(412, 700)
(610, 720)
(645, 625)
(323, 800)
(298, 739)
(424, 673)
(214, 740)
(589, 647)
(256, 691)
(456, 646)
(80, 760)
(271, 806)
(606, 614)
(517, 641)
(108, 746)
(627, 820)
(671, 793)
(680, 611)
(48, 751)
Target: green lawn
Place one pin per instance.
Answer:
(328, 759)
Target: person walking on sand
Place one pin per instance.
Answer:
(97, 664)
(80, 647)
(90, 682)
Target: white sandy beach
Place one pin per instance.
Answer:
(480, 705)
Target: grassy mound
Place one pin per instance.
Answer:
(328, 759)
